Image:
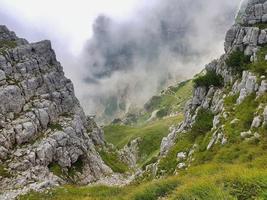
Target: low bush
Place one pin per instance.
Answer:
(237, 61)
(209, 79)
(5, 44)
(162, 113)
(260, 66)
(55, 127)
(3, 172)
(203, 123)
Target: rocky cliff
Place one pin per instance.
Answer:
(237, 107)
(42, 125)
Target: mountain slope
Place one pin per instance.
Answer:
(219, 150)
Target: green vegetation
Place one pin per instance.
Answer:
(243, 114)
(112, 160)
(209, 79)
(68, 174)
(66, 114)
(203, 123)
(169, 163)
(171, 100)
(6, 44)
(236, 170)
(204, 182)
(151, 135)
(260, 66)
(238, 62)
(76, 167)
(3, 172)
(183, 143)
(56, 169)
(260, 25)
(55, 126)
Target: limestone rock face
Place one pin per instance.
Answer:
(41, 120)
(130, 153)
(246, 86)
(249, 39)
(256, 12)
(265, 115)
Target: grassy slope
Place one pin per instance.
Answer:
(151, 134)
(205, 182)
(170, 101)
(111, 159)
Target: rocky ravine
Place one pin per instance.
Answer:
(41, 120)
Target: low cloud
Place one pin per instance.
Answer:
(125, 63)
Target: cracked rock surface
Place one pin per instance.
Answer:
(41, 120)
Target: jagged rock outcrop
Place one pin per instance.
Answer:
(129, 154)
(41, 120)
(246, 37)
(256, 12)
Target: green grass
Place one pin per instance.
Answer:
(204, 182)
(151, 135)
(68, 174)
(260, 66)
(168, 164)
(56, 169)
(111, 159)
(243, 112)
(171, 100)
(238, 62)
(203, 123)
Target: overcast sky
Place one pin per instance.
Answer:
(61, 19)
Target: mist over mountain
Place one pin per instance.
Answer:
(126, 62)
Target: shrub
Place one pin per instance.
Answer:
(5, 44)
(245, 111)
(55, 127)
(162, 113)
(209, 79)
(237, 61)
(203, 123)
(152, 103)
(69, 173)
(3, 172)
(260, 66)
(56, 169)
